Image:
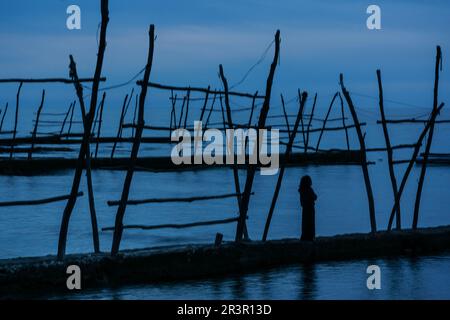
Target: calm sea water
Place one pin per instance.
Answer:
(341, 208)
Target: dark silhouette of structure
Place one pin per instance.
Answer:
(307, 200)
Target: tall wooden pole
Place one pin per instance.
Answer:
(3, 116)
(343, 122)
(287, 154)
(235, 165)
(310, 122)
(261, 124)
(429, 140)
(16, 118)
(388, 149)
(36, 124)
(118, 228)
(119, 128)
(86, 134)
(100, 120)
(373, 224)
(325, 120)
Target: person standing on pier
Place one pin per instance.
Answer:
(307, 200)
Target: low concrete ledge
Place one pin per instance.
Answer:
(46, 274)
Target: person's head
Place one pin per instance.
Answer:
(305, 182)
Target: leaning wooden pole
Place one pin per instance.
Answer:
(100, 120)
(261, 124)
(285, 115)
(364, 166)
(118, 228)
(343, 122)
(119, 128)
(3, 116)
(429, 140)
(287, 154)
(36, 124)
(325, 120)
(308, 129)
(16, 118)
(433, 116)
(86, 134)
(235, 165)
(388, 149)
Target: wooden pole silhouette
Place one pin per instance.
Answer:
(373, 224)
(389, 150)
(204, 104)
(87, 132)
(119, 129)
(181, 112)
(65, 118)
(433, 116)
(3, 116)
(71, 119)
(253, 108)
(15, 120)
(33, 136)
(285, 115)
(100, 120)
(287, 154)
(429, 140)
(308, 129)
(188, 98)
(301, 122)
(261, 124)
(343, 121)
(235, 165)
(93, 214)
(326, 119)
(118, 228)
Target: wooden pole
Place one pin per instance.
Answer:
(389, 150)
(429, 140)
(65, 118)
(36, 202)
(175, 226)
(3, 117)
(100, 120)
(283, 165)
(87, 131)
(285, 115)
(181, 199)
(237, 185)
(326, 119)
(194, 89)
(182, 111)
(135, 113)
(253, 108)
(204, 104)
(433, 116)
(93, 214)
(251, 170)
(373, 224)
(187, 107)
(210, 110)
(15, 121)
(71, 119)
(343, 121)
(301, 122)
(30, 153)
(309, 123)
(119, 128)
(118, 228)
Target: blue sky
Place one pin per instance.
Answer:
(320, 39)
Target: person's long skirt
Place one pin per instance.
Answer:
(308, 224)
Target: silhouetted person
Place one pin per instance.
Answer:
(307, 199)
